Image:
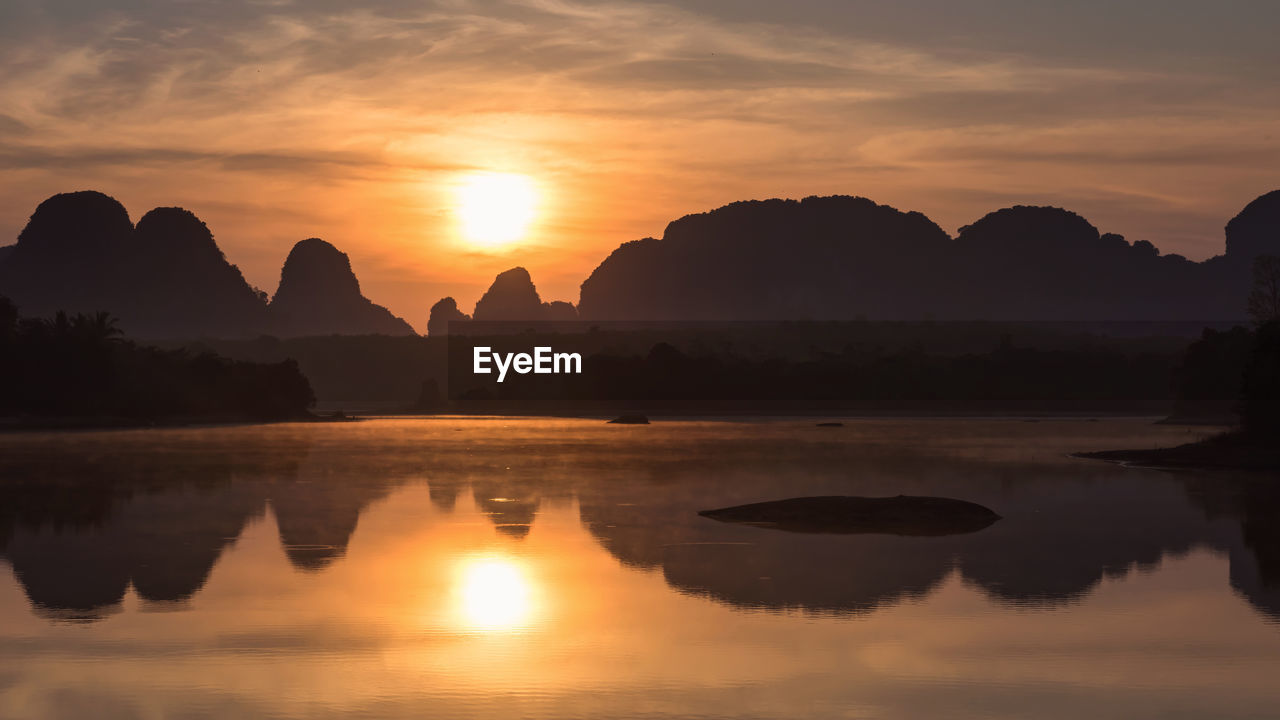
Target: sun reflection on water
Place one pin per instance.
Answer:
(495, 593)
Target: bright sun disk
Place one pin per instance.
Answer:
(495, 594)
(495, 208)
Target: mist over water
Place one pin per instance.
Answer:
(465, 567)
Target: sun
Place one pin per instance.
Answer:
(495, 208)
(494, 593)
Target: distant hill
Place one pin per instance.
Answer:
(81, 253)
(511, 297)
(775, 259)
(70, 255)
(1256, 230)
(167, 278)
(821, 258)
(444, 312)
(843, 258)
(178, 278)
(320, 295)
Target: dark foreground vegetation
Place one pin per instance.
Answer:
(855, 369)
(78, 370)
(757, 368)
(1237, 371)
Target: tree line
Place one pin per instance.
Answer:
(80, 366)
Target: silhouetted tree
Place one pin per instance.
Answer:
(1260, 406)
(8, 336)
(8, 318)
(79, 365)
(1264, 299)
(430, 398)
(1207, 383)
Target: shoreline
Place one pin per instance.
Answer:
(16, 424)
(72, 423)
(853, 413)
(1228, 451)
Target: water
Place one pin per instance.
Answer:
(503, 567)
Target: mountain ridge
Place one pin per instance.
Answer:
(817, 258)
(166, 277)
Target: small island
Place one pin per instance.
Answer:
(839, 514)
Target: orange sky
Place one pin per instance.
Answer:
(277, 121)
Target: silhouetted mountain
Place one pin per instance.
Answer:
(1256, 230)
(178, 278)
(166, 278)
(846, 258)
(819, 258)
(512, 296)
(69, 256)
(1051, 264)
(319, 295)
(557, 310)
(442, 313)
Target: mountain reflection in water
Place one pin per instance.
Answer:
(497, 529)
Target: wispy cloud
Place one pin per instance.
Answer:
(630, 113)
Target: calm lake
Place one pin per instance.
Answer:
(548, 568)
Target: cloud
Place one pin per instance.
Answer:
(29, 157)
(632, 112)
(12, 126)
(20, 157)
(720, 72)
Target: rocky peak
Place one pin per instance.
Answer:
(1256, 230)
(512, 296)
(320, 295)
(314, 269)
(173, 234)
(76, 223)
(442, 313)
